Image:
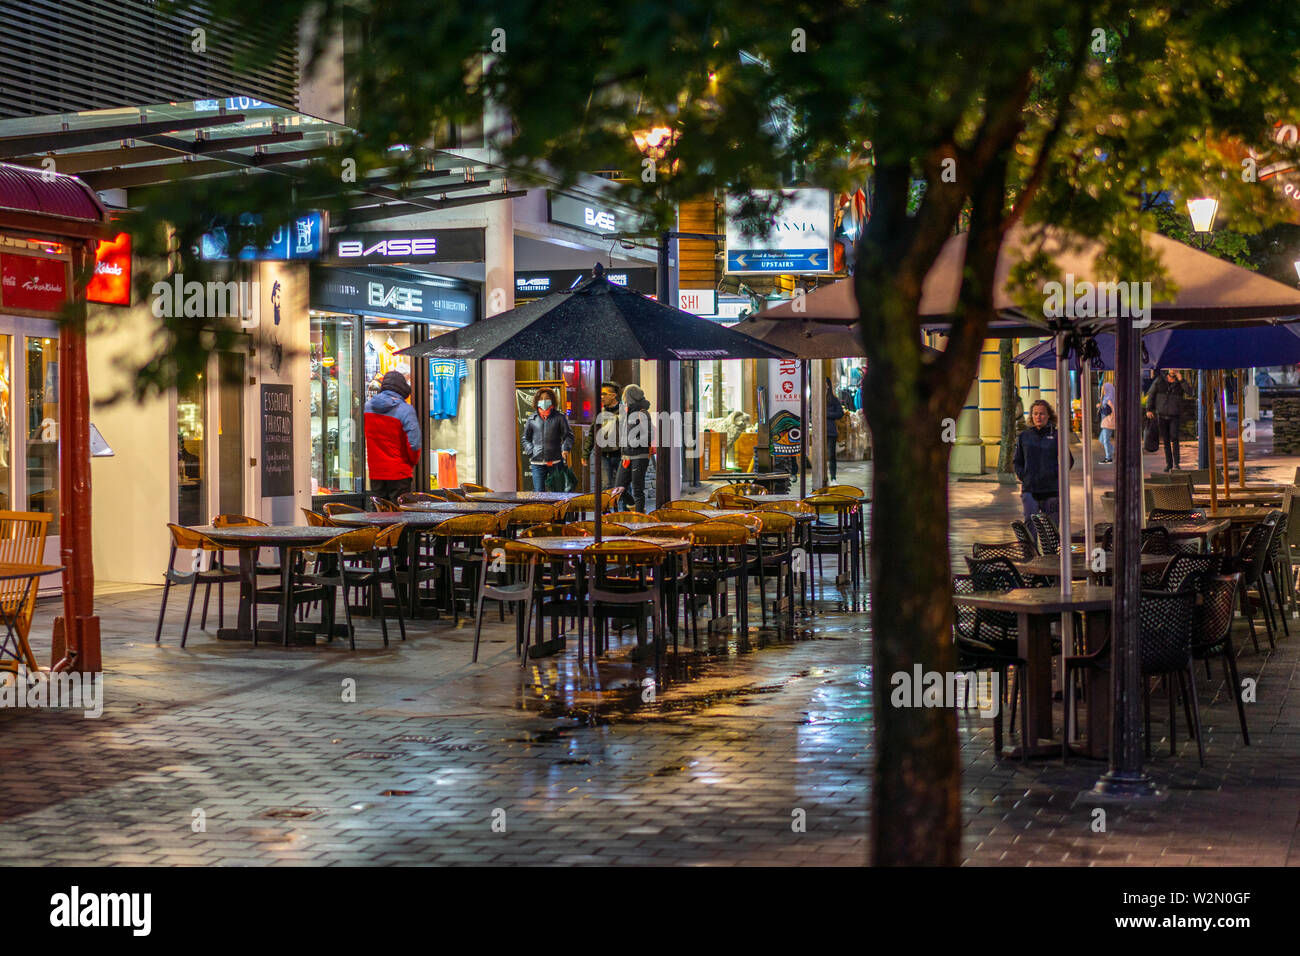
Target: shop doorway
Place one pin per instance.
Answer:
(230, 432)
(29, 421)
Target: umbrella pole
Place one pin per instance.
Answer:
(1223, 436)
(1241, 440)
(803, 426)
(599, 456)
(1085, 383)
(1209, 441)
(1063, 479)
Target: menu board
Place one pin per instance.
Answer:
(277, 440)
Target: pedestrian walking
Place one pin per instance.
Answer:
(1035, 464)
(392, 438)
(1165, 404)
(834, 412)
(636, 445)
(603, 434)
(1106, 412)
(547, 437)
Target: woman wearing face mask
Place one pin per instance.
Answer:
(547, 437)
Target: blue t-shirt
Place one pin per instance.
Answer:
(444, 387)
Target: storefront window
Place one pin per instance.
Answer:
(449, 436)
(728, 412)
(43, 427)
(191, 412)
(336, 464)
(6, 440)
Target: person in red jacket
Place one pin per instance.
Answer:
(392, 438)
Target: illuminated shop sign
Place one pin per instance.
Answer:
(111, 282)
(416, 246)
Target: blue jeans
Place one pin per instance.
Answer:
(1108, 443)
(540, 474)
(1050, 507)
(609, 475)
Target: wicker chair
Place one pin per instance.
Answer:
(338, 508)
(995, 628)
(583, 529)
(189, 541)
(414, 497)
(623, 580)
(686, 504)
(517, 558)
(1175, 514)
(1250, 561)
(726, 499)
(1165, 650)
(827, 537)
(382, 504)
(717, 556)
(678, 517)
(458, 543)
(1275, 568)
(740, 488)
(525, 516)
(470, 488)
(974, 654)
(1014, 550)
(368, 549)
(776, 540)
(852, 491)
(1021, 531)
(1049, 538)
(631, 517)
(1212, 633)
(550, 530)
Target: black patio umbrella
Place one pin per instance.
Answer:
(596, 320)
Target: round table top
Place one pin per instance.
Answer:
(460, 507)
(10, 572)
(525, 497)
(578, 544)
(863, 500)
(382, 519)
(283, 536)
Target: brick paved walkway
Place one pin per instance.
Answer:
(258, 752)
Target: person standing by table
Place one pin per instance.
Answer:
(392, 438)
(636, 445)
(1035, 464)
(834, 412)
(1165, 403)
(547, 437)
(604, 434)
(1107, 412)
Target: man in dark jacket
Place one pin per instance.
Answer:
(547, 437)
(1035, 464)
(1165, 404)
(392, 438)
(636, 444)
(834, 412)
(605, 429)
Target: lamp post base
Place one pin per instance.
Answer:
(1116, 786)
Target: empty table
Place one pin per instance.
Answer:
(247, 539)
(1035, 609)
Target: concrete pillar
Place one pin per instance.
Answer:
(968, 454)
(817, 372)
(500, 440)
(990, 402)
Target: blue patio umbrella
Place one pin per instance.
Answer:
(1232, 348)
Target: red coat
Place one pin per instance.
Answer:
(388, 452)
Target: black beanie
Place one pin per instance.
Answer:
(395, 381)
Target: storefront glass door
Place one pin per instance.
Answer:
(191, 460)
(43, 427)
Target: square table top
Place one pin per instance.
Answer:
(1083, 597)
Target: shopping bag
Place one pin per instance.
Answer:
(1152, 440)
(561, 478)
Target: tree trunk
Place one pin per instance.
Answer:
(916, 818)
(1008, 372)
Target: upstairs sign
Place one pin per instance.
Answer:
(799, 238)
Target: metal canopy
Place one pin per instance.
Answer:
(167, 142)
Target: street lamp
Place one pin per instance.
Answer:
(1203, 212)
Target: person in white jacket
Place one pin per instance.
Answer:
(1108, 411)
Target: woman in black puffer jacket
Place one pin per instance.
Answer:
(547, 437)
(1035, 464)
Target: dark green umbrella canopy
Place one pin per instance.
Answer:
(596, 320)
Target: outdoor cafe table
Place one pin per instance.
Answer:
(772, 479)
(415, 523)
(247, 539)
(18, 582)
(1239, 497)
(1035, 609)
(458, 507)
(572, 548)
(1180, 529)
(1049, 565)
(525, 497)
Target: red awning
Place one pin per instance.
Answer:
(54, 195)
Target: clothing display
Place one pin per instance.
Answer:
(445, 376)
(447, 477)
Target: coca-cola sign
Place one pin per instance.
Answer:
(111, 282)
(33, 283)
